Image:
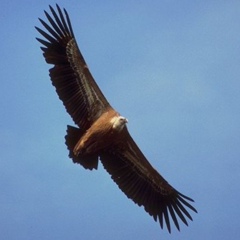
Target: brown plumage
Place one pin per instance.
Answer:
(102, 132)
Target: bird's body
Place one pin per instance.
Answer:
(102, 133)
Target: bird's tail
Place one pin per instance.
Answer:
(72, 137)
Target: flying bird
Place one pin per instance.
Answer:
(102, 133)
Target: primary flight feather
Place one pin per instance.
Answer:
(102, 133)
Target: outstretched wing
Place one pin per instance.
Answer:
(70, 75)
(144, 185)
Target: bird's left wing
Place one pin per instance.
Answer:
(70, 75)
(136, 177)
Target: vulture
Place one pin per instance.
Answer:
(102, 134)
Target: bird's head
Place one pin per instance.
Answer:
(119, 122)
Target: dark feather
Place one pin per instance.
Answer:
(139, 181)
(73, 135)
(70, 73)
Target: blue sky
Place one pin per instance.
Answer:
(172, 68)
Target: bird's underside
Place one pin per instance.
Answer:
(102, 132)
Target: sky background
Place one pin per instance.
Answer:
(172, 68)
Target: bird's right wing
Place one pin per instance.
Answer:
(144, 185)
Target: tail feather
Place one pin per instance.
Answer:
(72, 137)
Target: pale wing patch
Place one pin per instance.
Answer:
(91, 97)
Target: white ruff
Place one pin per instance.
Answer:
(118, 122)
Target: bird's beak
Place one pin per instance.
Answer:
(126, 120)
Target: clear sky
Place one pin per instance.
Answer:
(172, 68)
